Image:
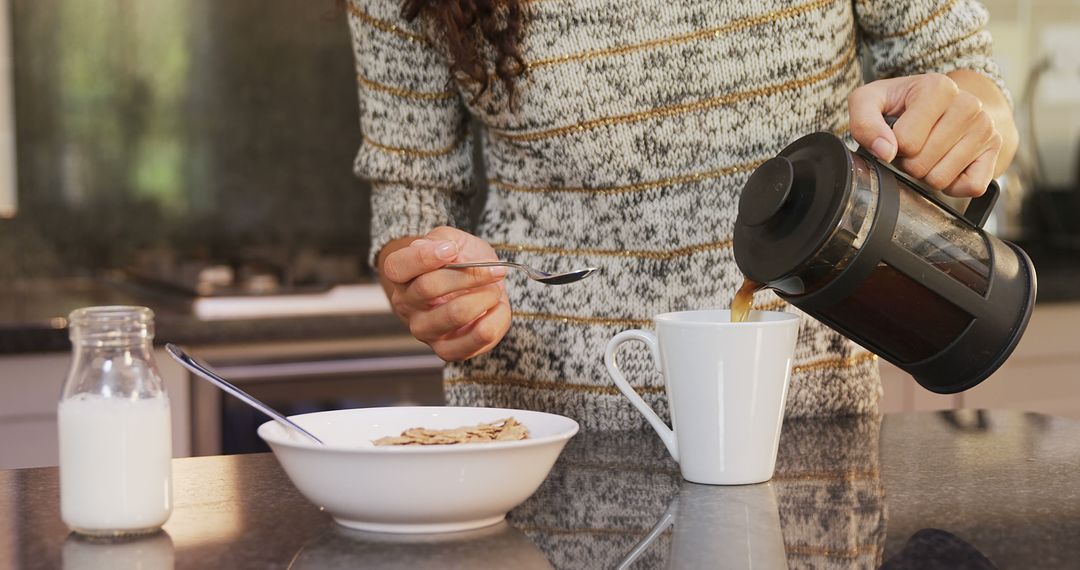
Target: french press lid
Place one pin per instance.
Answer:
(790, 206)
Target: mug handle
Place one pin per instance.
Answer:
(667, 435)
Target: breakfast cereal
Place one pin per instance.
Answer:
(507, 429)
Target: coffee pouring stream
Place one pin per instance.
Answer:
(877, 256)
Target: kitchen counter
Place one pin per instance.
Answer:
(980, 487)
(33, 317)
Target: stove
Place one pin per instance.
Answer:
(249, 271)
(262, 282)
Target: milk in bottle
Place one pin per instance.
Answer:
(114, 426)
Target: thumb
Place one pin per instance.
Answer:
(867, 107)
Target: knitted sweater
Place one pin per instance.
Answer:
(633, 132)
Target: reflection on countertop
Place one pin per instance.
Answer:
(912, 490)
(85, 553)
(494, 547)
(825, 505)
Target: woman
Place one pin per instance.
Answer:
(619, 135)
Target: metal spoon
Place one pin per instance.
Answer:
(534, 274)
(204, 371)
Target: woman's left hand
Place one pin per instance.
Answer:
(943, 135)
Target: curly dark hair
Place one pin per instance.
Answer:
(469, 23)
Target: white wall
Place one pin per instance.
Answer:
(1025, 32)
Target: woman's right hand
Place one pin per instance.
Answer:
(459, 313)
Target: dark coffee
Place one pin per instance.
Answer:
(744, 298)
(908, 335)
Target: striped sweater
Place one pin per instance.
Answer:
(633, 131)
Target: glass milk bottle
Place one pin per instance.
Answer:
(114, 424)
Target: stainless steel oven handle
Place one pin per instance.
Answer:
(372, 365)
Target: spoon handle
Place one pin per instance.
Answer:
(483, 264)
(206, 373)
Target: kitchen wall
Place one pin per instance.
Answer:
(1037, 44)
(193, 127)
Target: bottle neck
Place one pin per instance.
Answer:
(112, 353)
(114, 327)
(111, 340)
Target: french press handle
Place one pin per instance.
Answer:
(978, 208)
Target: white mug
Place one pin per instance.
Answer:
(726, 386)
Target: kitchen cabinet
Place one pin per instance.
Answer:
(1040, 376)
(31, 384)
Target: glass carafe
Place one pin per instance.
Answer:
(114, 426)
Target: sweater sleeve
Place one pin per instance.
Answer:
(924, 36)
(416, 150)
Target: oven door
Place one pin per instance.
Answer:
(312, 377)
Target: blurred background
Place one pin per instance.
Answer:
(196, 157)
(193, 131)
(1037, 45)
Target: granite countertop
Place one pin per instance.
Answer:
(903, 492)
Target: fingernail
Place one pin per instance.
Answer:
(446, 250)
(420, 242)
(882, 149)
(497, 271)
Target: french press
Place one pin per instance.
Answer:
(877, 256)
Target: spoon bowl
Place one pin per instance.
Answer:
(534, 274)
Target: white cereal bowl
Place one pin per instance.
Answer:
(416, 489)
